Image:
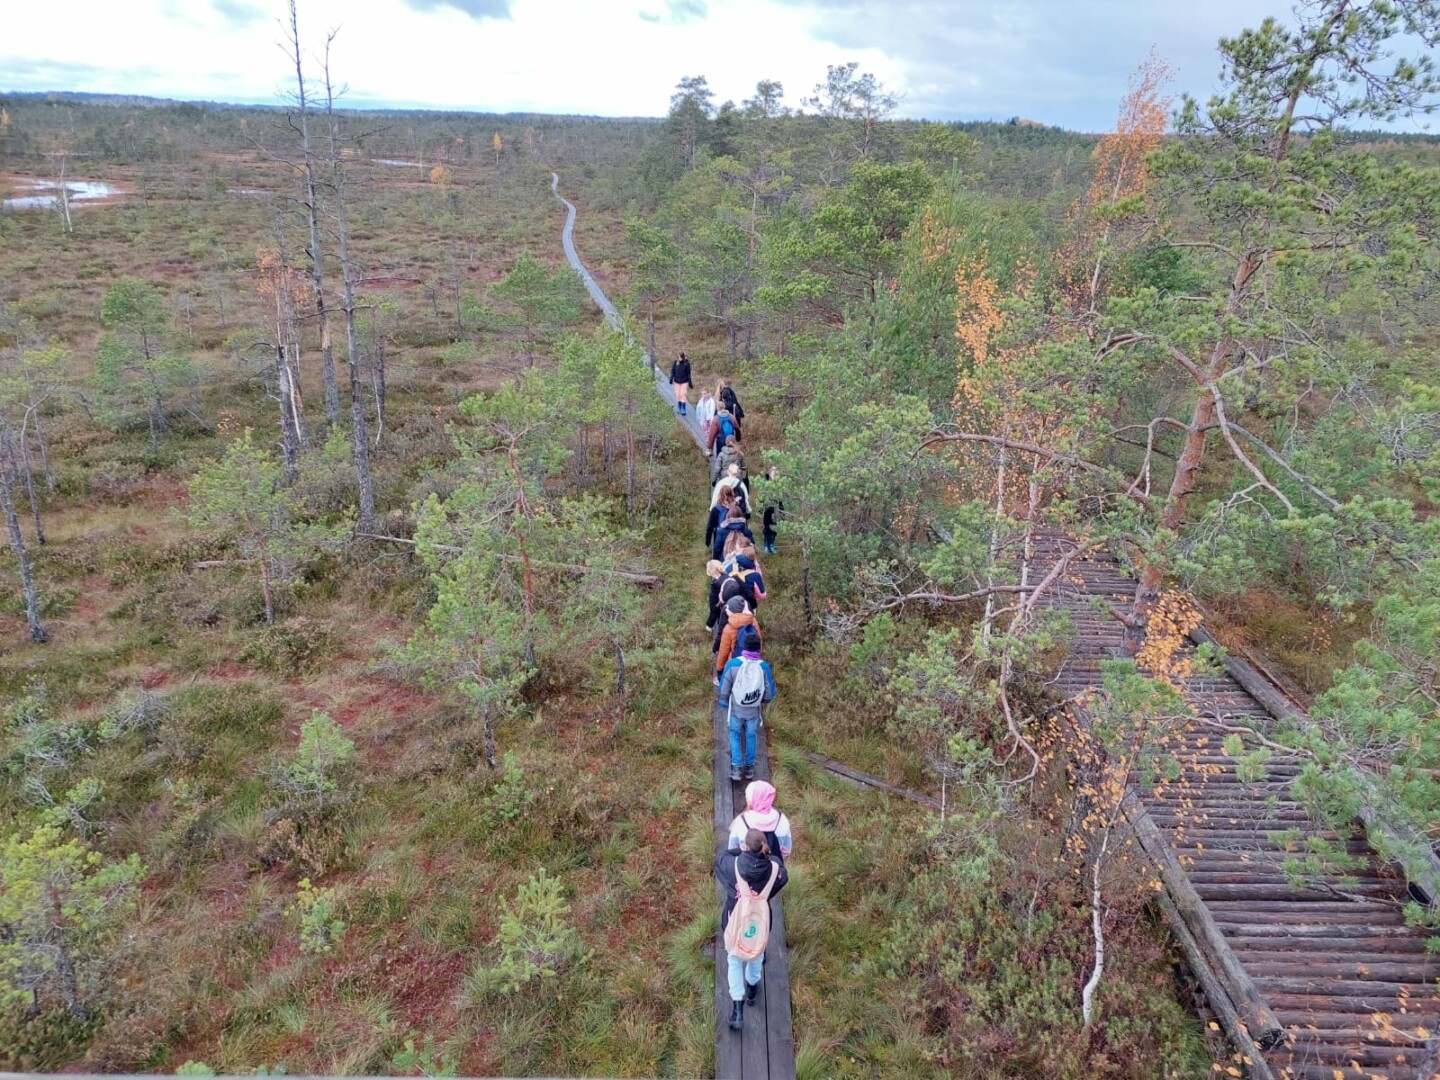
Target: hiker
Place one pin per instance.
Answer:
(729, 401)
(719, 512)
(723, 429)
(732, 479)
(768, 520)
(730, 588)
(707, 436)
(716, 574)
(771, 515)
(746, 684)
(746, 571)
(730, 454)
(760, 814)
(750, 877)
(733, 525)
(680, 379)
(705, 410)
(741, 577)
(737, 615)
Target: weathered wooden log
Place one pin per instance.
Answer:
(1418, 971)
(870, 781)
(1411, 850)
(1215, 995)
(1257, 1019)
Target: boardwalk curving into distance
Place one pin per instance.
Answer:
(765, 1048)
(1324, 982)
(612, 314)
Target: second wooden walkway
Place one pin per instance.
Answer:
(1323, 972)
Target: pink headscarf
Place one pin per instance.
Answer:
(760, 802)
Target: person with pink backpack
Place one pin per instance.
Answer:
(749, 878)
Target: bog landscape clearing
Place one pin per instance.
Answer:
(359, 699)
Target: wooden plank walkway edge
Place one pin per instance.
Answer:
(1411, 851)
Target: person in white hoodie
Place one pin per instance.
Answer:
(760, 813)
(732, 480)
(705, 410)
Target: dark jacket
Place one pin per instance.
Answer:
(722, 590)
(722, 533)
(732, 403)
(680, 371)
(716, 605)
(769, 519)
(754, 871)
(717, 515)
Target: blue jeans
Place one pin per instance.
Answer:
(751, 726)
(751, 974)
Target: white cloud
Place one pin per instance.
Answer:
(1053, 60)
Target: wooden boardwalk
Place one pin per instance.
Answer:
(766, 1045)
(1329, 971)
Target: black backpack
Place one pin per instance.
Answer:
(770, 838)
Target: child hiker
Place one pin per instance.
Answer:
(760, 813)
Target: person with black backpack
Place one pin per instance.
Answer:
(749, 878)
(746, 684)
(680, 379)
(760, 813)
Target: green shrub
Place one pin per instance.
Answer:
(44, 1041)
(424, 1061)
(317, 913)
(292, 647)
(535, 942)
(510, 798)
(314, 778)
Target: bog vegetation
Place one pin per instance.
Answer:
(342, 730)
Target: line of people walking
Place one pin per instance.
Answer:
(751, 866)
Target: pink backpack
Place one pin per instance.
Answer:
(748, 931)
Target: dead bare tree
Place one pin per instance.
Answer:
(9, 477)
(300, 121)
(365, 487)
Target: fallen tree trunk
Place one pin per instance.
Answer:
(866, 779)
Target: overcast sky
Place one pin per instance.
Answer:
(1062, 62)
